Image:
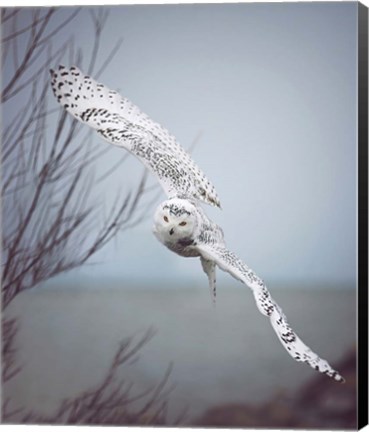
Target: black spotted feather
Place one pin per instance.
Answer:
(122, 123)
(217, 252)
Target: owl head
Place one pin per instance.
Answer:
(175, 219)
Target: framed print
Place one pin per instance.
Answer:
(185, 215)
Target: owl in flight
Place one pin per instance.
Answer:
(179, 222)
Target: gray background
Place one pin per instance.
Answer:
(271, 88)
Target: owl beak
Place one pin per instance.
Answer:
(171, 231)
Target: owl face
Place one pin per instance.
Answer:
(175, 219)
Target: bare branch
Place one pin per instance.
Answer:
(6, 17)
(9, 331)
(40, 230)
(33, 44)
(57, 55)
(113, 401)
(21, 31)
(99, 20)
(48, 174)
(60, 26)
(109, 57)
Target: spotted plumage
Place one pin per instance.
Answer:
(122, 123)
(180, 223)
(205, 239)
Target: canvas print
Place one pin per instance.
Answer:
(179, 230)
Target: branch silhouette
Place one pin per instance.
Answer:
(48, 172)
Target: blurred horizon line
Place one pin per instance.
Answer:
(147, 283)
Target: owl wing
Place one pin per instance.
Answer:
(122, 123)
(230, 263)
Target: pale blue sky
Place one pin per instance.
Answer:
(272, 89)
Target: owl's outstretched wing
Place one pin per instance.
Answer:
(230, 263)
(122, 123)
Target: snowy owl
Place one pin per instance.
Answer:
(179, 222)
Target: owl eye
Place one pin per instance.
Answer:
(183, 223)
(166, 219)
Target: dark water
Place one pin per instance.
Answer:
(223, 354)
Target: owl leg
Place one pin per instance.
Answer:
(209, 268)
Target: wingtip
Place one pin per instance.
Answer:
(337, 377)
(214, 202)
(340, 379)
